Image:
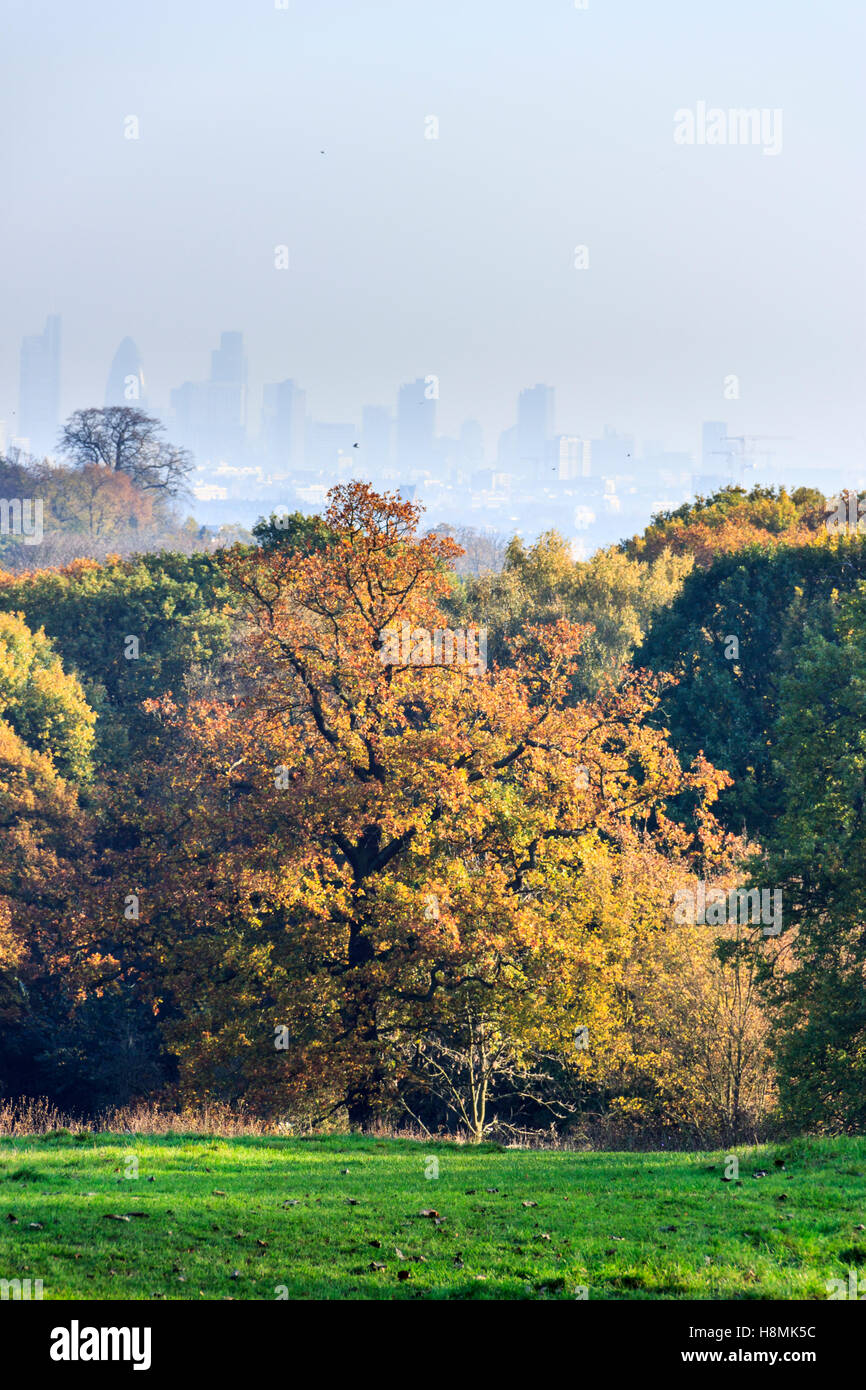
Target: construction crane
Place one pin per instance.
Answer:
(746, 454)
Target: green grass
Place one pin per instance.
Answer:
(624, 1225)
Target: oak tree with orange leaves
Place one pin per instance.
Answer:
(358, 841)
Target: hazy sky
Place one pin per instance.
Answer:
(454, 257)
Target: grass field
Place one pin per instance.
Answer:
(338, 1218)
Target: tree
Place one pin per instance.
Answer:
(292, 531)
(613, 596)
(99, 502)
(175, 607)
(128, 441)
(355, 841)
(817, 853)
(730, 520)
(728, 639)
(43, 704)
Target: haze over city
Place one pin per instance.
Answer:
(453, 195)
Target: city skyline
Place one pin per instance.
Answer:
(214, 419)
(373, 203)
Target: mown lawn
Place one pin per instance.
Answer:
(261, 1218)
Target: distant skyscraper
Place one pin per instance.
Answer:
(125, 384)
(718, 467)
(283, 424)
(574, 458)
(39, 395)
(535, 412)
(416, 424)
(331, 448)
(210, 417)
(714, 449)
(227, 394)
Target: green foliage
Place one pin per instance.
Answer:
(613, 594)
(292, 532)
(44, 705)
(725, 705)
(177, 606)
(818, 855)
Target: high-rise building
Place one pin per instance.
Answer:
(330, 448)
(283, 424)
(125, 385)
(535, 417)
(574, 457)
(416, 424)
(714, 446)
(39, 394)
(227, 394)
(210, 416)
(189, 405)
(718, 465)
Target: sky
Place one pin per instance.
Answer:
(454, 257)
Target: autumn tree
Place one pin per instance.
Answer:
(614, 597)
(729, 520)
(358, 838)
(126, 440)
